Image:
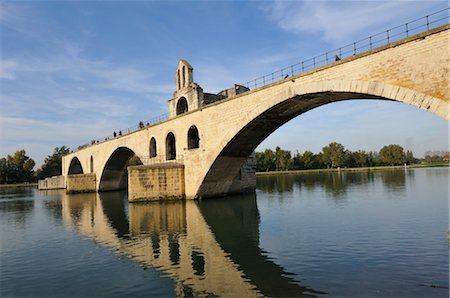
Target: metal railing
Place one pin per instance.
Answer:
(372, 42)
(126, 131)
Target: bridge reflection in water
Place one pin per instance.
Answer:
(207, 248)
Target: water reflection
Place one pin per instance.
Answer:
(207, 248)
(335, 184)
(16, 205)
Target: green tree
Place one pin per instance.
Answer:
(392, 155)
(16, 168)
(265, 160)
(333, 155)
(308, 159)
(52, 163)
(283, 160)
(409, 158)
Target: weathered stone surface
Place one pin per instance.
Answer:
(156, 182)
(81, 183)
(55, 182)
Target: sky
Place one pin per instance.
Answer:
(73, 71)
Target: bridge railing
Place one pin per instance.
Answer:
(420, 25)
(119, 133)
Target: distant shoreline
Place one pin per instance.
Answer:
(361, 169)
(17, 185)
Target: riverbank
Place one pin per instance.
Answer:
(361, 169)
(17, 185)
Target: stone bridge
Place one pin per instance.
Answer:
(203, 148)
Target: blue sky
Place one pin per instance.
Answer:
(72, 71)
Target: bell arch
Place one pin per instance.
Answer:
(115, 175)
(75, 167)
(182, 106)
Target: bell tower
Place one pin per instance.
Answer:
(188, 95)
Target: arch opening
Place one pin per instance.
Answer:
(193, 138)
(182, 106)
(92, 164)
(152, 149)
(115, 174)
(75, 167)
(170, 147)
(224, 172)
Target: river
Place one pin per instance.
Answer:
(348, 234)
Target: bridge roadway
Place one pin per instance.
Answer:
(414, 70)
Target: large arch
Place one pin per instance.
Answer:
(115, 174)
(263, 119)
(75, 167)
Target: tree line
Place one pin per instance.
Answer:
(334, 155)
(19, 168)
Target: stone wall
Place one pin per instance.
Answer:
(81, 183)
(156, 182)
(55, 182)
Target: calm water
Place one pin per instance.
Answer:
(327, 235)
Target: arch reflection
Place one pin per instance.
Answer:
(208, 248)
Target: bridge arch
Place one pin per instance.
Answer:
(262, 119)
(114, 175)
(75, 167)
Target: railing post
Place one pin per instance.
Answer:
(370, 42)
(387, 32)
(354, 48)
(407, 31)
(428, 24)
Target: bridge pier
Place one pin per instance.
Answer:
(156, 182)
(81, 183)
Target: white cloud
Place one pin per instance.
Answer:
(344, 21)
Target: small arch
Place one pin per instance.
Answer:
(115, 174)
(178, 80)
(75, 166)
(182, 106)
(170, 147)
(184, 76)
(92, 164)
(193, 138)
(153, 147)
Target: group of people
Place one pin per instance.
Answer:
(115, 134)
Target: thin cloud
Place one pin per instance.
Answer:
(343, 21)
